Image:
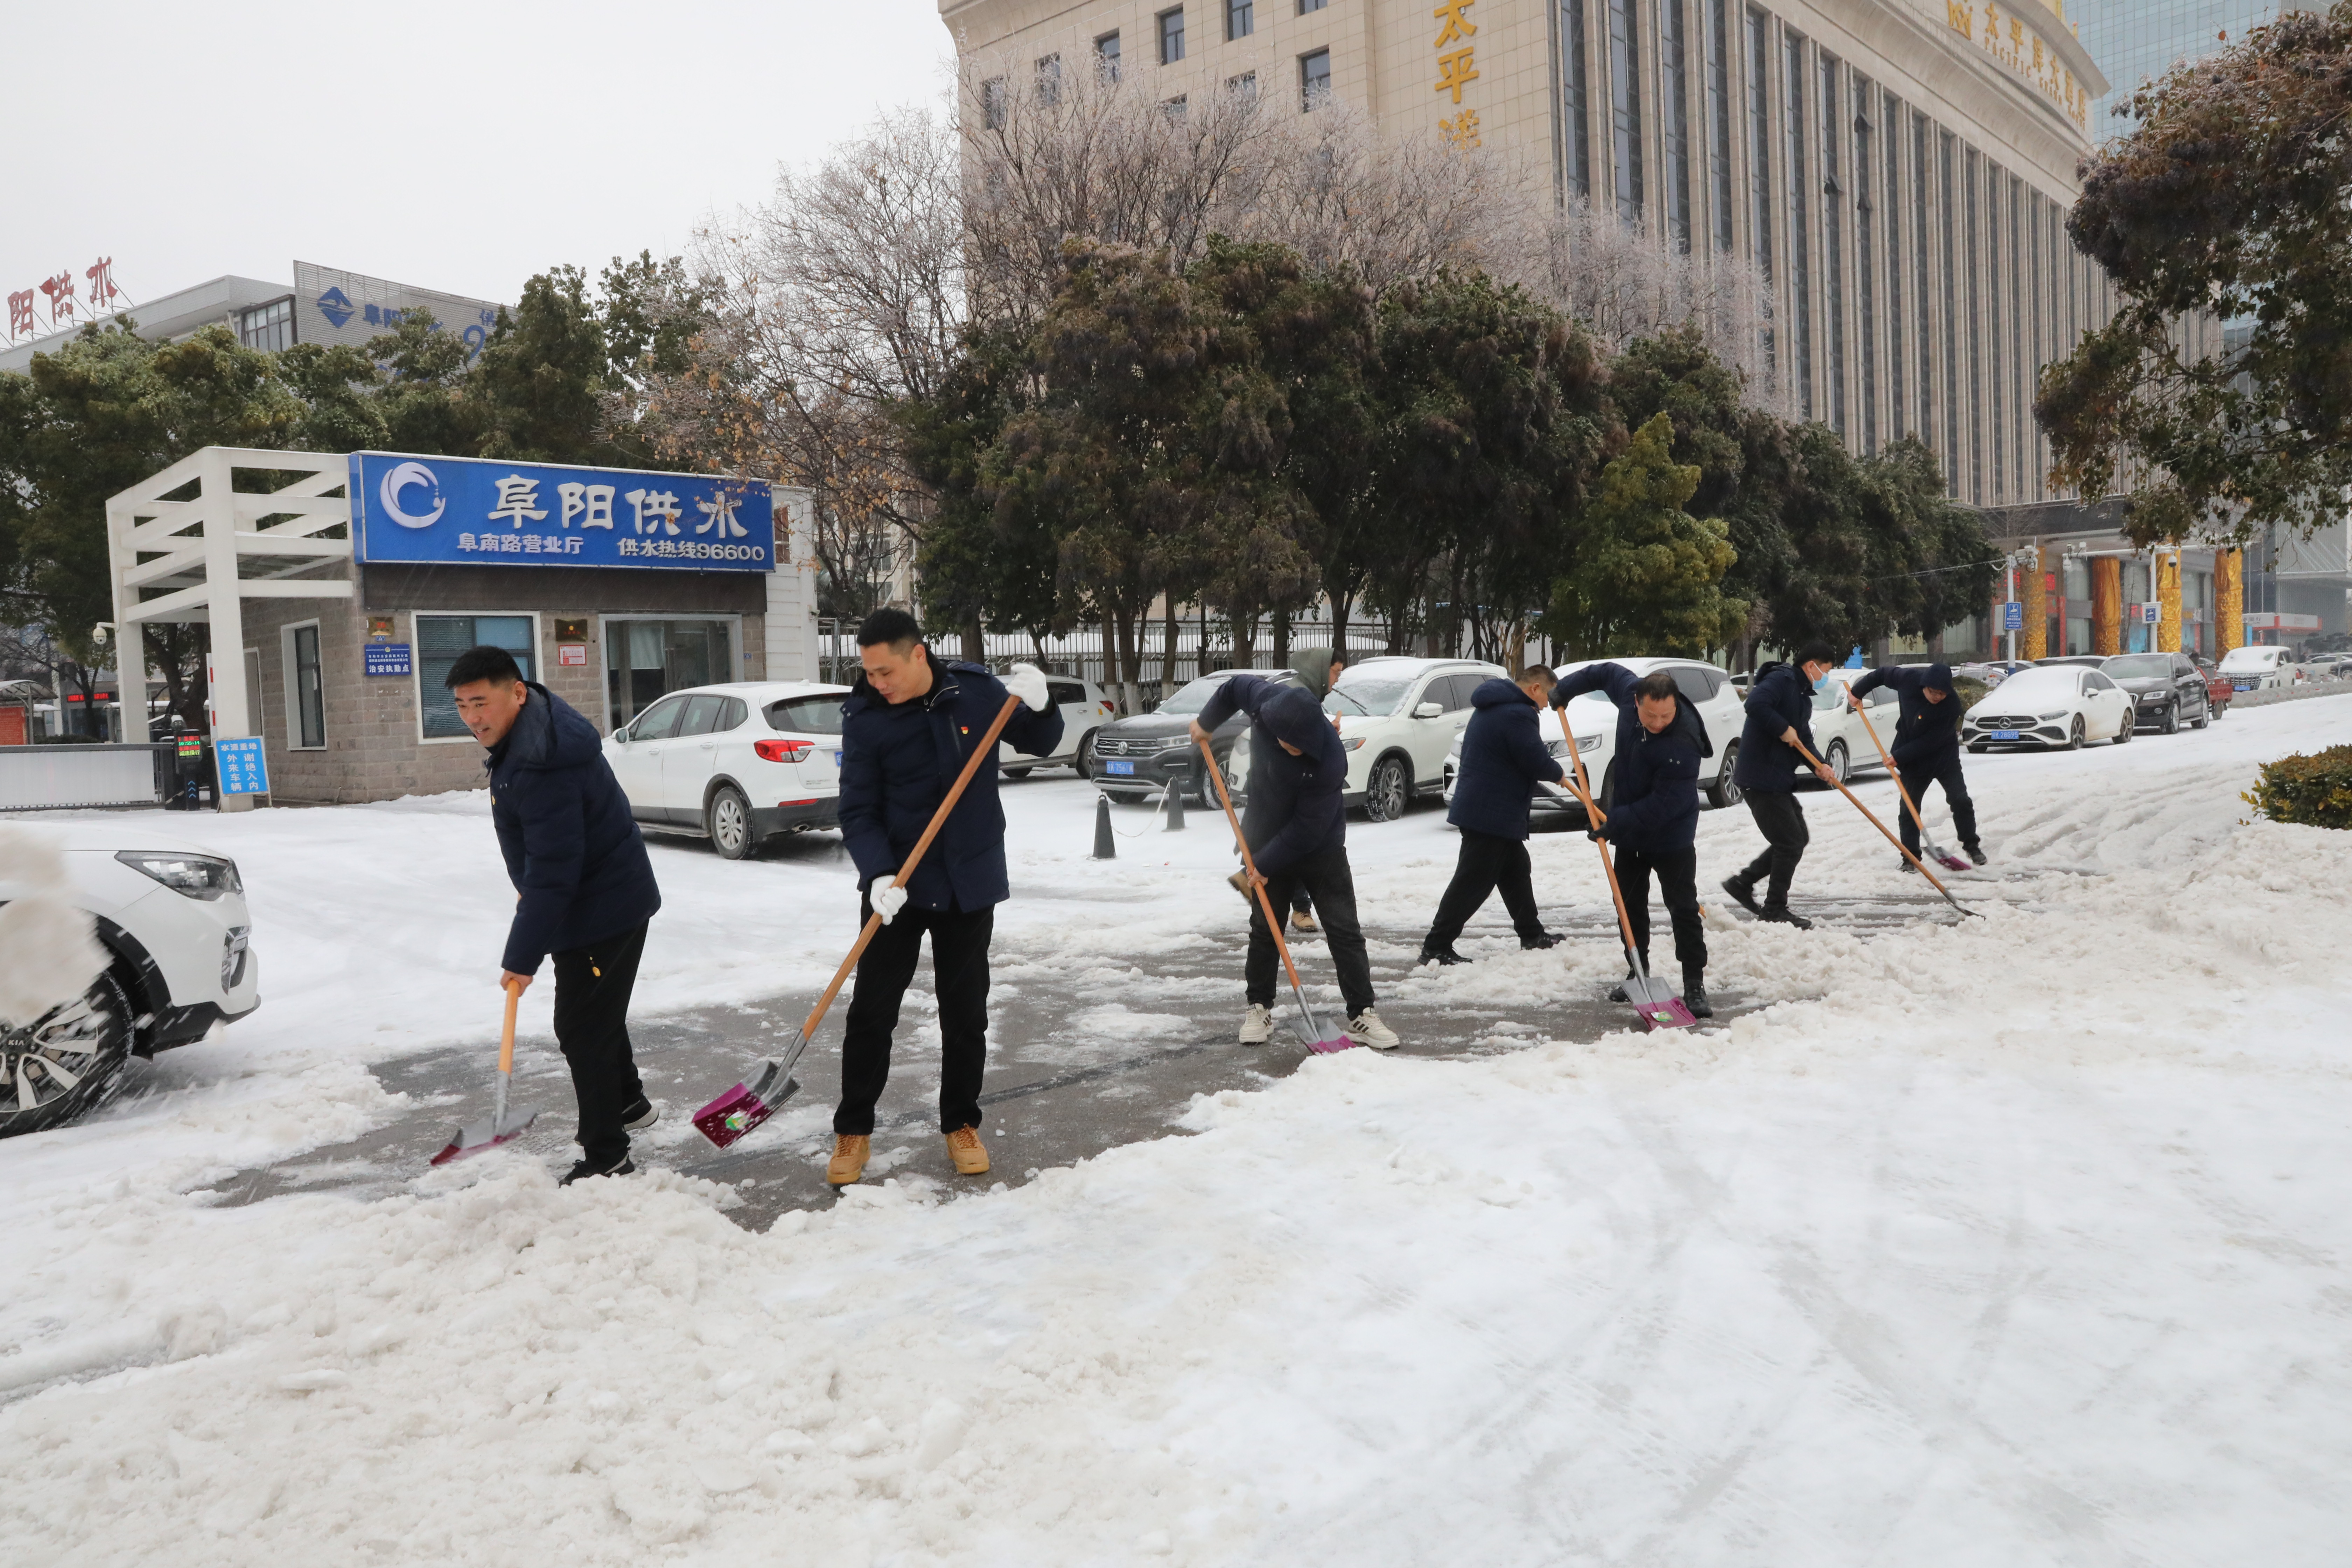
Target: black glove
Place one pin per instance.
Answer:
(1559, 696)
(1597, 835)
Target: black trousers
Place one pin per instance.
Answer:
(1946, 771)
(1324, 873)
(1677, 873)
(1780, 818)
(1487, 862)
(960, 941)
(593, 986)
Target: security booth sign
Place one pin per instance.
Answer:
(384, 658)
(468, 512)
(243, 770)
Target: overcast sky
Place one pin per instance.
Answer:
(453, 144)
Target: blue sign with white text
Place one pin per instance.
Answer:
(2013, 615)
(243, 770)
(384, 658)
(468, 512)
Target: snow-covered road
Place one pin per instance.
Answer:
(2016, 1241)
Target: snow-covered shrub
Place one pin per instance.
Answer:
(2315, 790)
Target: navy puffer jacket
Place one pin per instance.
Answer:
(1503, 757)
(899, 760)
(1780, 697)
(1926, 733)
(571, 849)
(1655, 806)
(1297, 805)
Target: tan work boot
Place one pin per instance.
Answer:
(970, 1155)
(849, 1155)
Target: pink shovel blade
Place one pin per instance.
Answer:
(1953, 862)
(1325, 1047)
(744, 1107)
(1655, 1004)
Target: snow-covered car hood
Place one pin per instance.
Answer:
(108, 834)
(2024, 693)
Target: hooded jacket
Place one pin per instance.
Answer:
(571, 848)
(1926, 733)
(1654, 806)
(898, 760)
(1297, 805)
(1780, 697)
(1503, 757)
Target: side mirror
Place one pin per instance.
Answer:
(621, 734)
(1429, 710)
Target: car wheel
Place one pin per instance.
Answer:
(2172, 718)
(2129, 727)
(1726, 792)
(727, 820)
(1016, 773)
(2204, 715)
(1387, 790)
(63, 1064)
(1083, 764)
(1841, 765)
(2075, 734)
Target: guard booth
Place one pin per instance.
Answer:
(335, 589)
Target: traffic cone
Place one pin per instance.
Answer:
(1175, 807)
(1105, 847)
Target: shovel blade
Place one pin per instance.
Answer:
(487, 1133)
(1309, 1032)
(745, 1106)
(1952, 862)
(1656, 1004)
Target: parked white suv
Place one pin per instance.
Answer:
(737, 764)
(1593, 720)
(1398, 717)
(2259, 667)
(172, 921)
(1084, 709)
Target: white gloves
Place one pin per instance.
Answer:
(1028, 683)
(887, 900)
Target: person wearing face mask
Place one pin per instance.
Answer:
(1779, 709)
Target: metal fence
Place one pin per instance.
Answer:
(35, 778)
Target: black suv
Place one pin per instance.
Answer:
(2165, 689)
(1137, 756)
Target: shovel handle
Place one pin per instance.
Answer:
(1882, 829)
(506, 1030)
(1583, 788)
(1891, 770)
(1217, 777)
(987, 748)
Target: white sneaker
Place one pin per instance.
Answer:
(1257, 1026)
(1366, 1029)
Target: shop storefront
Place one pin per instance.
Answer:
(336, 601)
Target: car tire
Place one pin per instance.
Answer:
(1841, 764)
(2129, 728)
(1016, 773)
(2220, 712)
(2205, 718)
(727, 821)
(99, 1018)
(1083, 764)
(1388, 790)
(1725, 792)
(2172, 717)
(2075, 734)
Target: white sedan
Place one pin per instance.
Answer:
(2050, 705)
(1593, 720)
(1845, 744)
(737, 764)
(1084, 709)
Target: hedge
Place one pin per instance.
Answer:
(2314, 790)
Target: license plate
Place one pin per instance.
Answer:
(2004, 735)
(1125, 770)
(2243, 685)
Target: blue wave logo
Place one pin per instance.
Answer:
(337, 307)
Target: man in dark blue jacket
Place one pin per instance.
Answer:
(586, 887)
(1654, 810)
(1297, 825)
(1926, 747)
(1502, 758)
(907, 727)
(1780, 717)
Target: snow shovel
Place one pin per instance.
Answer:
(1311, 1035)
(1656, 1002)
(1935, 852)
(769, 1083)
(501, 1128)
(1890, 837)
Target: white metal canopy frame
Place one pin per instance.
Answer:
(187, 545)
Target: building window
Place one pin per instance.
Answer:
(1174, 107)
(1759, 161)
(440, 640)
(1625, 107)
(1314, 78)
(305, 696)
(1865, 261)
(1897, 419)
(1718, 118)
(1833, 240)
(1995, 293)
(1971, 194)
(1673, 119)
(1107, 56)
(1241, 19)
(1172, 36)
(645, 660)
(1922, 173)
(1307, 5)
(991, 103)
(270, 328)
(1049, 80)
(1951, 324)
(1576, 106)
(1242, 87)
(2021, 371)
(1801, 223)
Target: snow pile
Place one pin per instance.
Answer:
(2012, 1242)
(50, 954)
